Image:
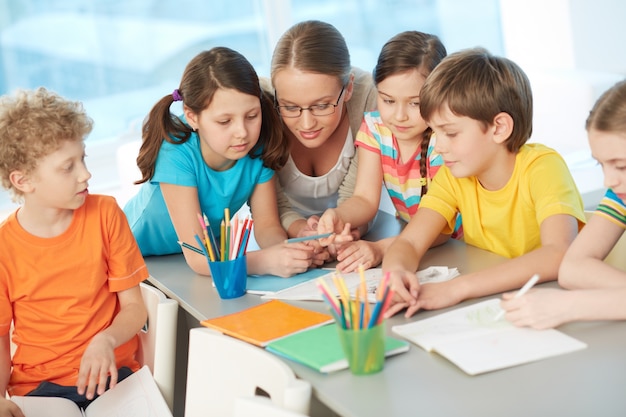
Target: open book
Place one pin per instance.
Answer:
(320, 348)
(137, 395)
(470, 338)
(308, 290)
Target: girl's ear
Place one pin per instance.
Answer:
(502, 127)
(21, 181)
(191, 117)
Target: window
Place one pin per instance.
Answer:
(120, 56)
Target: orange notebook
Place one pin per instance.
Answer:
(267, 322)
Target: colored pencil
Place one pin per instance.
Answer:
(386, 303)
(379, 307)
(199, 240)
(228, 236)
(326, 295)
(244, 241)
(190, 247)
(208, 244)
(366, 304)
(305, 238)
(211, 236)
(222, 241)
(326, 290)
(250, 224)
(237, 232)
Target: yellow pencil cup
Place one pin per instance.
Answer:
(364, 349)
(230, 277)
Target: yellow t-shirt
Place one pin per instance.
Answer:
(507, 221)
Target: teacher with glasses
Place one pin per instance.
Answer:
(321, 99)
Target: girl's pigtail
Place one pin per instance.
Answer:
(160, 125)
(424, 160)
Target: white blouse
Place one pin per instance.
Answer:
(313, 195)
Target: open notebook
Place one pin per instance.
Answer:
(471, 339)
(308, 289)
(137, 395)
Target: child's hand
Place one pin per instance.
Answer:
(9, 409)
(320, 254)
(361, 252)
(406, 288)
(543, 308)
(335, 241)
(313, 227)
(96, 365)
(287, 259)
(437, 295)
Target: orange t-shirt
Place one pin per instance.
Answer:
(61, 291)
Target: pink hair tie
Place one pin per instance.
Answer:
(176, 95)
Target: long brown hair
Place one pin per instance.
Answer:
(408, 51)
(207, 72)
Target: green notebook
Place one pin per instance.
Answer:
(320, 348)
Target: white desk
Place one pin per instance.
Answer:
(591, 382)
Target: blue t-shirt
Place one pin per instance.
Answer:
(183, 165)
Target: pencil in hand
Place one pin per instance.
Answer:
(306, 238)
(529, 284)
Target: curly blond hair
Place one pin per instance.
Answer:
(33, 124)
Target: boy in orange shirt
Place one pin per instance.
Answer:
(69, 267)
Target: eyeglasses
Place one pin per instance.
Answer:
(316, 109)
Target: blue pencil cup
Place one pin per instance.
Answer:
(230, 277)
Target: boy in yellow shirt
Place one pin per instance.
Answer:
(516, 199)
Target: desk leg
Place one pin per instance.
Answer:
(185, 323)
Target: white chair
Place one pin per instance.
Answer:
(261, 407)
(158, 339)
(222, 369)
